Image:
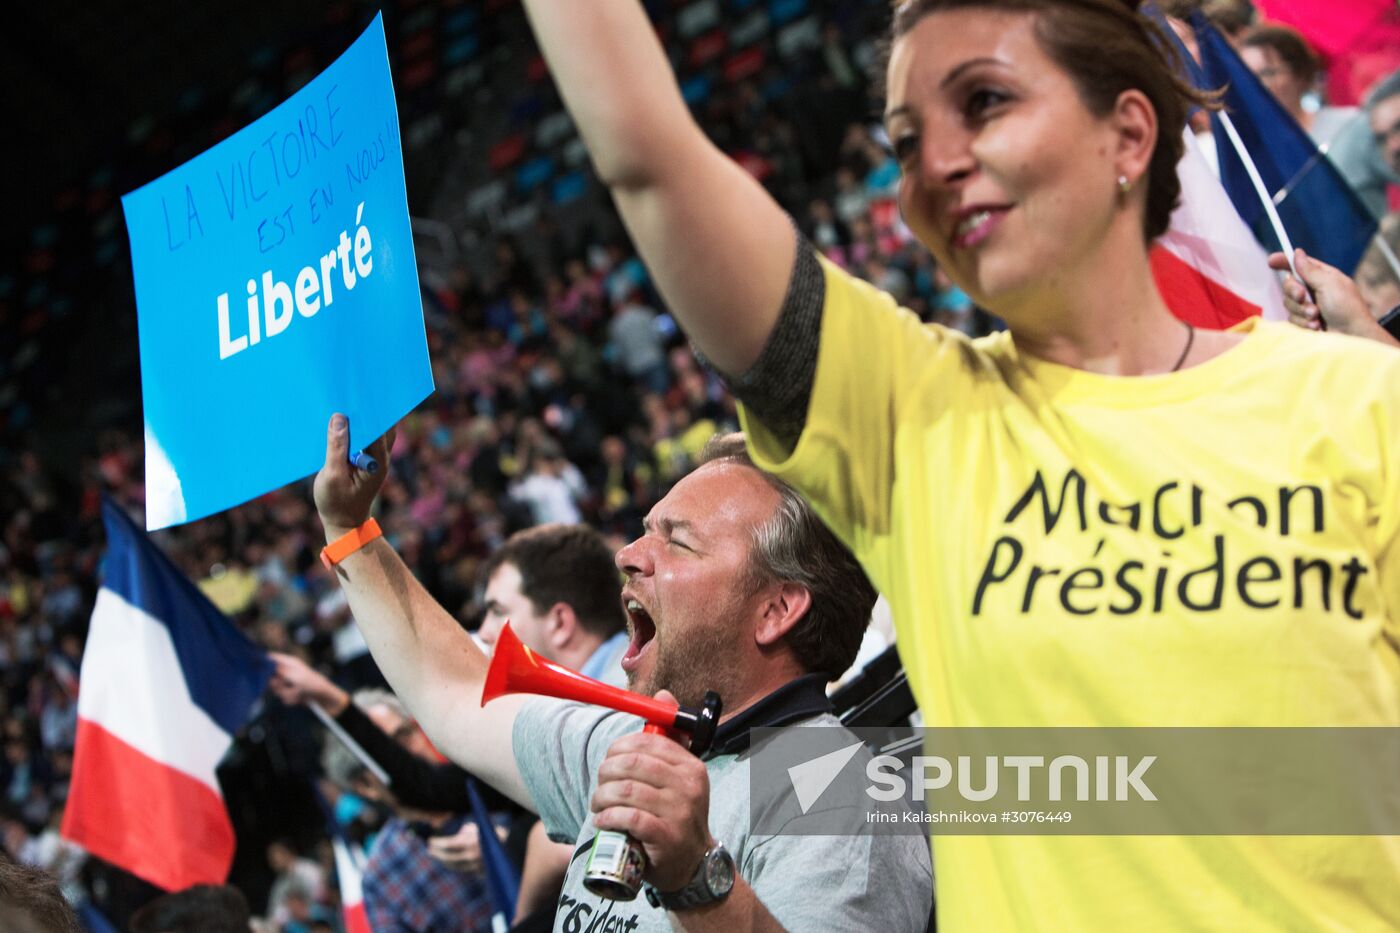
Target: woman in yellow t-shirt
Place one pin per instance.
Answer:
(1104, 517)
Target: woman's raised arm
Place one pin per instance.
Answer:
(718, 247)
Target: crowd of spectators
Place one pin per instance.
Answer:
(564, 393)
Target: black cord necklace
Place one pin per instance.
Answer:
(1190, 339)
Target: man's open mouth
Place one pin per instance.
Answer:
(642, 629)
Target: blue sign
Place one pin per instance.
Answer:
(276, 284)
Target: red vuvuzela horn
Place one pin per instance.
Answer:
(615, 861)
(516, 669)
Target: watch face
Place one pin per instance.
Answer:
(719, 872)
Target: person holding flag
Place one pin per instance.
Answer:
(1032, 504)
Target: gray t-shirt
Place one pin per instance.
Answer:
(856, 882)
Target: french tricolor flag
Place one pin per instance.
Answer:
(166, 682)
(352, 900)
(1208, 266)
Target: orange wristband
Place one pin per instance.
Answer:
(349, 543)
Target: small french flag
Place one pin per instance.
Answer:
(352, 901)
(1209, 268)
(166, 683)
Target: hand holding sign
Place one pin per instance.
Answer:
(345, 493)
(273, 272)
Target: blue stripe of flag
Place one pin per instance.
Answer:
(1320, 211)
(224, 671)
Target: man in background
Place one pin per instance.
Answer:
(557, 586)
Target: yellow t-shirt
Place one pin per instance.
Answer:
(1035, 529)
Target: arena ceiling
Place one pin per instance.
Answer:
(77, 74)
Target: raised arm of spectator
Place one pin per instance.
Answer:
(720, 250)
(1336, 301)
(429, 660)
(415, 782)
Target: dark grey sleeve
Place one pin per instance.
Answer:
(778, 387)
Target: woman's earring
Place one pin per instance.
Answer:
(1124, 186)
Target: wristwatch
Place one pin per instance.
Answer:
(711, 883)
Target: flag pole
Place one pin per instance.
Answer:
(1197, 77)
(1263, 191)
(1260, 188)
(337, 730)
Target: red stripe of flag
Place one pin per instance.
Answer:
(1193, 296)
(156, 822)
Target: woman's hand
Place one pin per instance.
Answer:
(1336, 302)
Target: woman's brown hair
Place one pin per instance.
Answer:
(1106, 47)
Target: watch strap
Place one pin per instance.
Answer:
(349, 543)
(697, 893)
